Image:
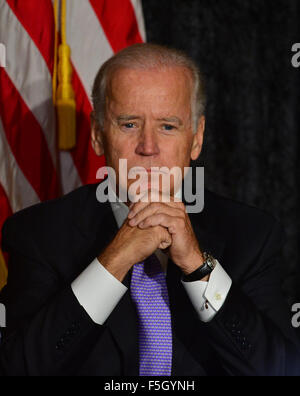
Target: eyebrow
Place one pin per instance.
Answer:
(128, 117)
(171, 119)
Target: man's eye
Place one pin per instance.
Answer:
(168, 127)
(129, 125)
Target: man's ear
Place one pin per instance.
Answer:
(96, 135)
(198, 139)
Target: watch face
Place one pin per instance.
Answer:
(210, 263)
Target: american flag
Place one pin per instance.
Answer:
(32, 169)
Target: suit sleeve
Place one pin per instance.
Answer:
(252, 333)
(48, 332)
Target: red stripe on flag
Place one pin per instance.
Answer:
(27, 141)
(5, 212)
(84, 157)
(118, 21)
(37, 18)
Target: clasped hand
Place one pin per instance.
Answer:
(184, 248)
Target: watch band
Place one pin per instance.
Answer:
(206, 268)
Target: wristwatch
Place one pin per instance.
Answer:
(206, 268)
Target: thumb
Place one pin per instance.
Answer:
(165, 239)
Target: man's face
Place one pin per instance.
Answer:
(149, 121)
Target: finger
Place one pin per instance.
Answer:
(140, 206)
(154, 197)
(165, 244)
(136, 208)
(155, 209)
(166, 240)
(173, 224)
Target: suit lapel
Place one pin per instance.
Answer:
(122, 322)
(98, 226)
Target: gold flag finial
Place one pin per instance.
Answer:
(64, 93)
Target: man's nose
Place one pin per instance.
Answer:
(147, 144)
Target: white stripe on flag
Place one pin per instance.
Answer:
(69, 175)
(138, 8)
(17, 188)
(88, 42)
(29, 73)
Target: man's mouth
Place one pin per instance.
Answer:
(154, 169)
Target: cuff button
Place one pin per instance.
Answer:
(218, 297)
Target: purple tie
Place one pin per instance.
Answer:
(150, 295)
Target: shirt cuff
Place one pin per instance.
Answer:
(208, 297)
(98, 291)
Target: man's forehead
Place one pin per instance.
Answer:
(138, 75)
(138, 86)
(166, 101)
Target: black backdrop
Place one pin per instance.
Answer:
(251, 148)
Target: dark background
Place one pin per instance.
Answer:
(243, 47)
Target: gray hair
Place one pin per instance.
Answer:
(148, 56)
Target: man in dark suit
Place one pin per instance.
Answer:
(143, 287)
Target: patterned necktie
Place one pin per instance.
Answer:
(150, 295)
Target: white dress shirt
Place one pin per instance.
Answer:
(99, 292)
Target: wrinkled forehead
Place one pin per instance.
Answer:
(176, 78)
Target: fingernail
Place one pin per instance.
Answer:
(132, 222)
(130, 215)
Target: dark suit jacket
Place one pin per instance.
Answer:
(49, 333)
